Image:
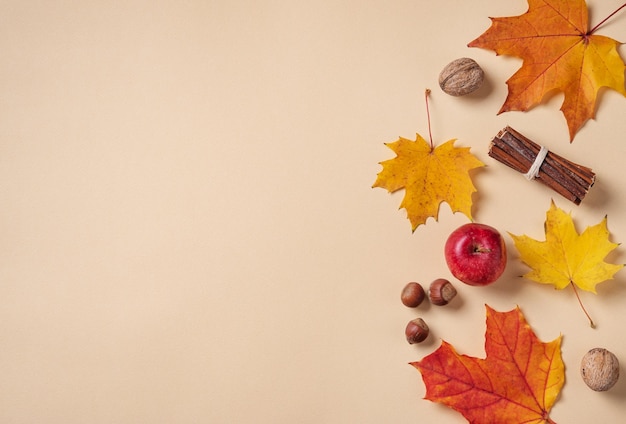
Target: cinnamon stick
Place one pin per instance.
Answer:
(567, 178)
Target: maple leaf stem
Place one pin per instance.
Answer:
(595, 28)
(430, 134)
(591, 323)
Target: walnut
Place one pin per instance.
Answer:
(599, 369)
(461, 77)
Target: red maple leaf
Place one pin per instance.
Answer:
(518, 382)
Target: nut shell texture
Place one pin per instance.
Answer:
(412, 295)
(599, 369)
(441, 292)
(416, 331)
(461, 76)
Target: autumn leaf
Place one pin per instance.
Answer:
(518, 381)
(566, 258)
(429, 176)
(560, 53)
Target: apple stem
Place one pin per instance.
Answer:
(594, 29)
(430, 134)
(591, 323)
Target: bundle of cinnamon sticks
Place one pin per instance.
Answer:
(569, 179)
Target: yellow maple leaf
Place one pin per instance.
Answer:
(429, 176)
(566, 257)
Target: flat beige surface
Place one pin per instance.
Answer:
(188, 232)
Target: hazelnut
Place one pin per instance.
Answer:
(412, 295)
(461, 77)
(599, 369)
(441, 292)
(416, 331)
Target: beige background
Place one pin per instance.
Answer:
(188, 232)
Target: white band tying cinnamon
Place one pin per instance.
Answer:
(533, 171)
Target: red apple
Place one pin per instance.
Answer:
(476, 254)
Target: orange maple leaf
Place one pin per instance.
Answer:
(560, 53)
(518, 382)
